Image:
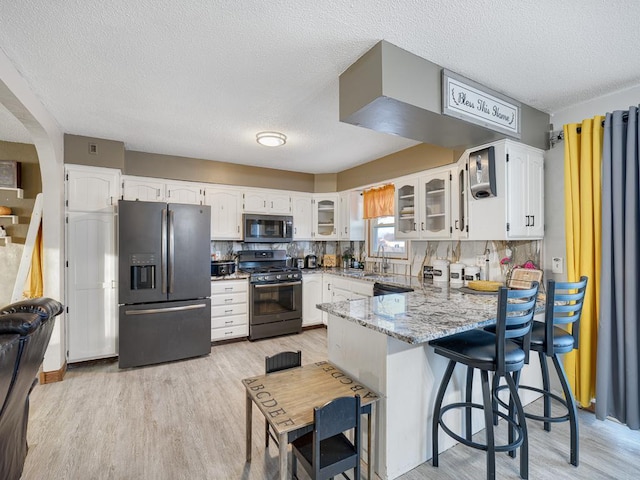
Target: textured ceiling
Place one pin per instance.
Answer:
(199, 78)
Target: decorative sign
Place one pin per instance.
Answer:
(467, 100)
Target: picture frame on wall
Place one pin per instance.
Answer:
(10, 174)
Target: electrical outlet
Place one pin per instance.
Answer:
(557, 265)
(480, 260)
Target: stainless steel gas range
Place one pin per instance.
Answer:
(275, 293)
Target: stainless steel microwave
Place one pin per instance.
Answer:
(267, 228)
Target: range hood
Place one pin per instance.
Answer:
(394, 91)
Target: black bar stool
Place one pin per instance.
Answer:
(488, 352)
(563, 307)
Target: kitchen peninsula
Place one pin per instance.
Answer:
(383, 342)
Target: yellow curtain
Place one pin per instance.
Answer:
(378, 202)
(33, 287)
(583, 212)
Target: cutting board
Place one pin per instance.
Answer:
(522, 277)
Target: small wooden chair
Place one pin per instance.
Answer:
(275, 363)
(326, 451)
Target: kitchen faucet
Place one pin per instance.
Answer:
(384, 261)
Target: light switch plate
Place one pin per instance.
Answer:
(557, 265)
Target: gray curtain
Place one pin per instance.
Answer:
(618, 362)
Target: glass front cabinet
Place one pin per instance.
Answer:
(325, 216)
(407, 209)
(436, 206)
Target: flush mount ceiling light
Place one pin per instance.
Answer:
(271, 139)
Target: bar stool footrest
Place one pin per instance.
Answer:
(481, 446)
(540, 418)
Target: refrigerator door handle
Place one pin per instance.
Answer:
(171, 252)
(148, 311)
(163, 251)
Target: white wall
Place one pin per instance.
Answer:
(554, 241)
(17, 97)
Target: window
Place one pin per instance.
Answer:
(382, 233)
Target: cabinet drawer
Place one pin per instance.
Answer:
(229, 321)
(231, 332)
(228, 299)
(226, 310)
(234, 286)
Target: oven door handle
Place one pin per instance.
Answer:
(279, 284)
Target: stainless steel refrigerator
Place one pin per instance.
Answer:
(164, 282)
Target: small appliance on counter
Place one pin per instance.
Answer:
(310, 261)
(220, 268)
(300, 263)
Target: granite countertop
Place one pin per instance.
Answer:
(427, 313)
(233, 276)
(359, 274)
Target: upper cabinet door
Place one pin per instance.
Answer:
(302, 216)
(184, 193)
(325, 217)
(262, 201)
(525, 187)
(226, 213)
(143, 189)
(459, 204)
(407, 208)
(92, 189)
(436, 215)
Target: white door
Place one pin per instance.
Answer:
(525, 189)
(407, 209)
(143, 189)
(226, 214)
(535, 198)
(302, 217)
(91, 286)
(255, 201)
(435, 206)
(311, 296)
(92, 189)
(184, 193)
(325, 216)
(279, 203)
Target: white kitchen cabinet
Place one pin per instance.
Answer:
(459, 204)
(91, 195)
(229, 309)
(435, 197)
(91, 189)
(311, 296)
(516, 211)
(351, 223)
(407, 207)
(161, 190)
(325, 216)
(91, 294)
(525, 186)
(301, 209)
(226, 216)
(336, 288)
(143, 189)
(184, 192)
(265, 201)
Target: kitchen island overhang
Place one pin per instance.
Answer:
(383, 342)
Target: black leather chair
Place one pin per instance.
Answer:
(563, 307)
(25, 331)
(326, 451)
(275, 363)
(488, 352)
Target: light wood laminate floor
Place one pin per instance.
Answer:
(185, 420)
